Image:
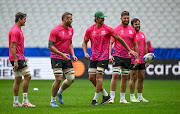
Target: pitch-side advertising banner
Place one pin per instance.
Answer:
(40, 68)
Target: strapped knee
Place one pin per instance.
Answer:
(125, 71)
(25, 72)
(69, 76)
(57, 71)
(116, 70)
(92, 70)
(100, 70)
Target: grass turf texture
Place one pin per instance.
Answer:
(163, 96)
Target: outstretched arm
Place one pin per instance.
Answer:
(117, 37)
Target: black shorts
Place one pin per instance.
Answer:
(139, 67)
(123, 62)
(102, 64)
(21, 64)
(59, 63)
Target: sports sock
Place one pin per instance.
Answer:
(96, 96)
(112, 94)
(104, 92)
(139, 95)
(16, 99)
(25, 97)
(122, 95)
(131, 95)
(53, 98)
(60, 91)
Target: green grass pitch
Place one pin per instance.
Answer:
(163, 96)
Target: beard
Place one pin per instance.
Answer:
(137, 29)
(69, 25)
(102, 23)
(23, 24)
(126, 23)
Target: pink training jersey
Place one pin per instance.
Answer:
(16, 35)
(100, 39)
(141, 44)
(128, 34)
(62, 38)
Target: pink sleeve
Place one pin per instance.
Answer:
(112, 38)
(14, 36)
(115, 31)
(53, 35)
(112, 31)
(87, 34)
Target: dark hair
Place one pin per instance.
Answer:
(64, 15)
(19, 15)
(124, 13)
(134, 20)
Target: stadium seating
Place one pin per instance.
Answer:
(159, 18)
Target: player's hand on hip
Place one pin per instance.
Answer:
(136, 62)
(111, 59)
(66, 56)
(25, 60)
(75, 58)
(15, 65)
(86, 56)
(147, 64)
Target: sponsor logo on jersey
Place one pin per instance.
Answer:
(103, 32)
(122, 31)
(70, 33)
(130, 32)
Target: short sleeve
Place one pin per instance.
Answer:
(111, 31)
(115, 30)
(53, 35)
(14, 36)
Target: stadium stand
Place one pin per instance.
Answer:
(159, 19)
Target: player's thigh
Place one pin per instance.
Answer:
(21, 64)
(141, 74)
(66, 65)
(101, 66)
(56, 65)
(92, 68)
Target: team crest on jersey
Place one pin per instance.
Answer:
(122, 31)
(130, 32)
(103, 32)
(136, 36)
(70, 33)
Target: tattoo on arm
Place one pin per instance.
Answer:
(50, 44)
